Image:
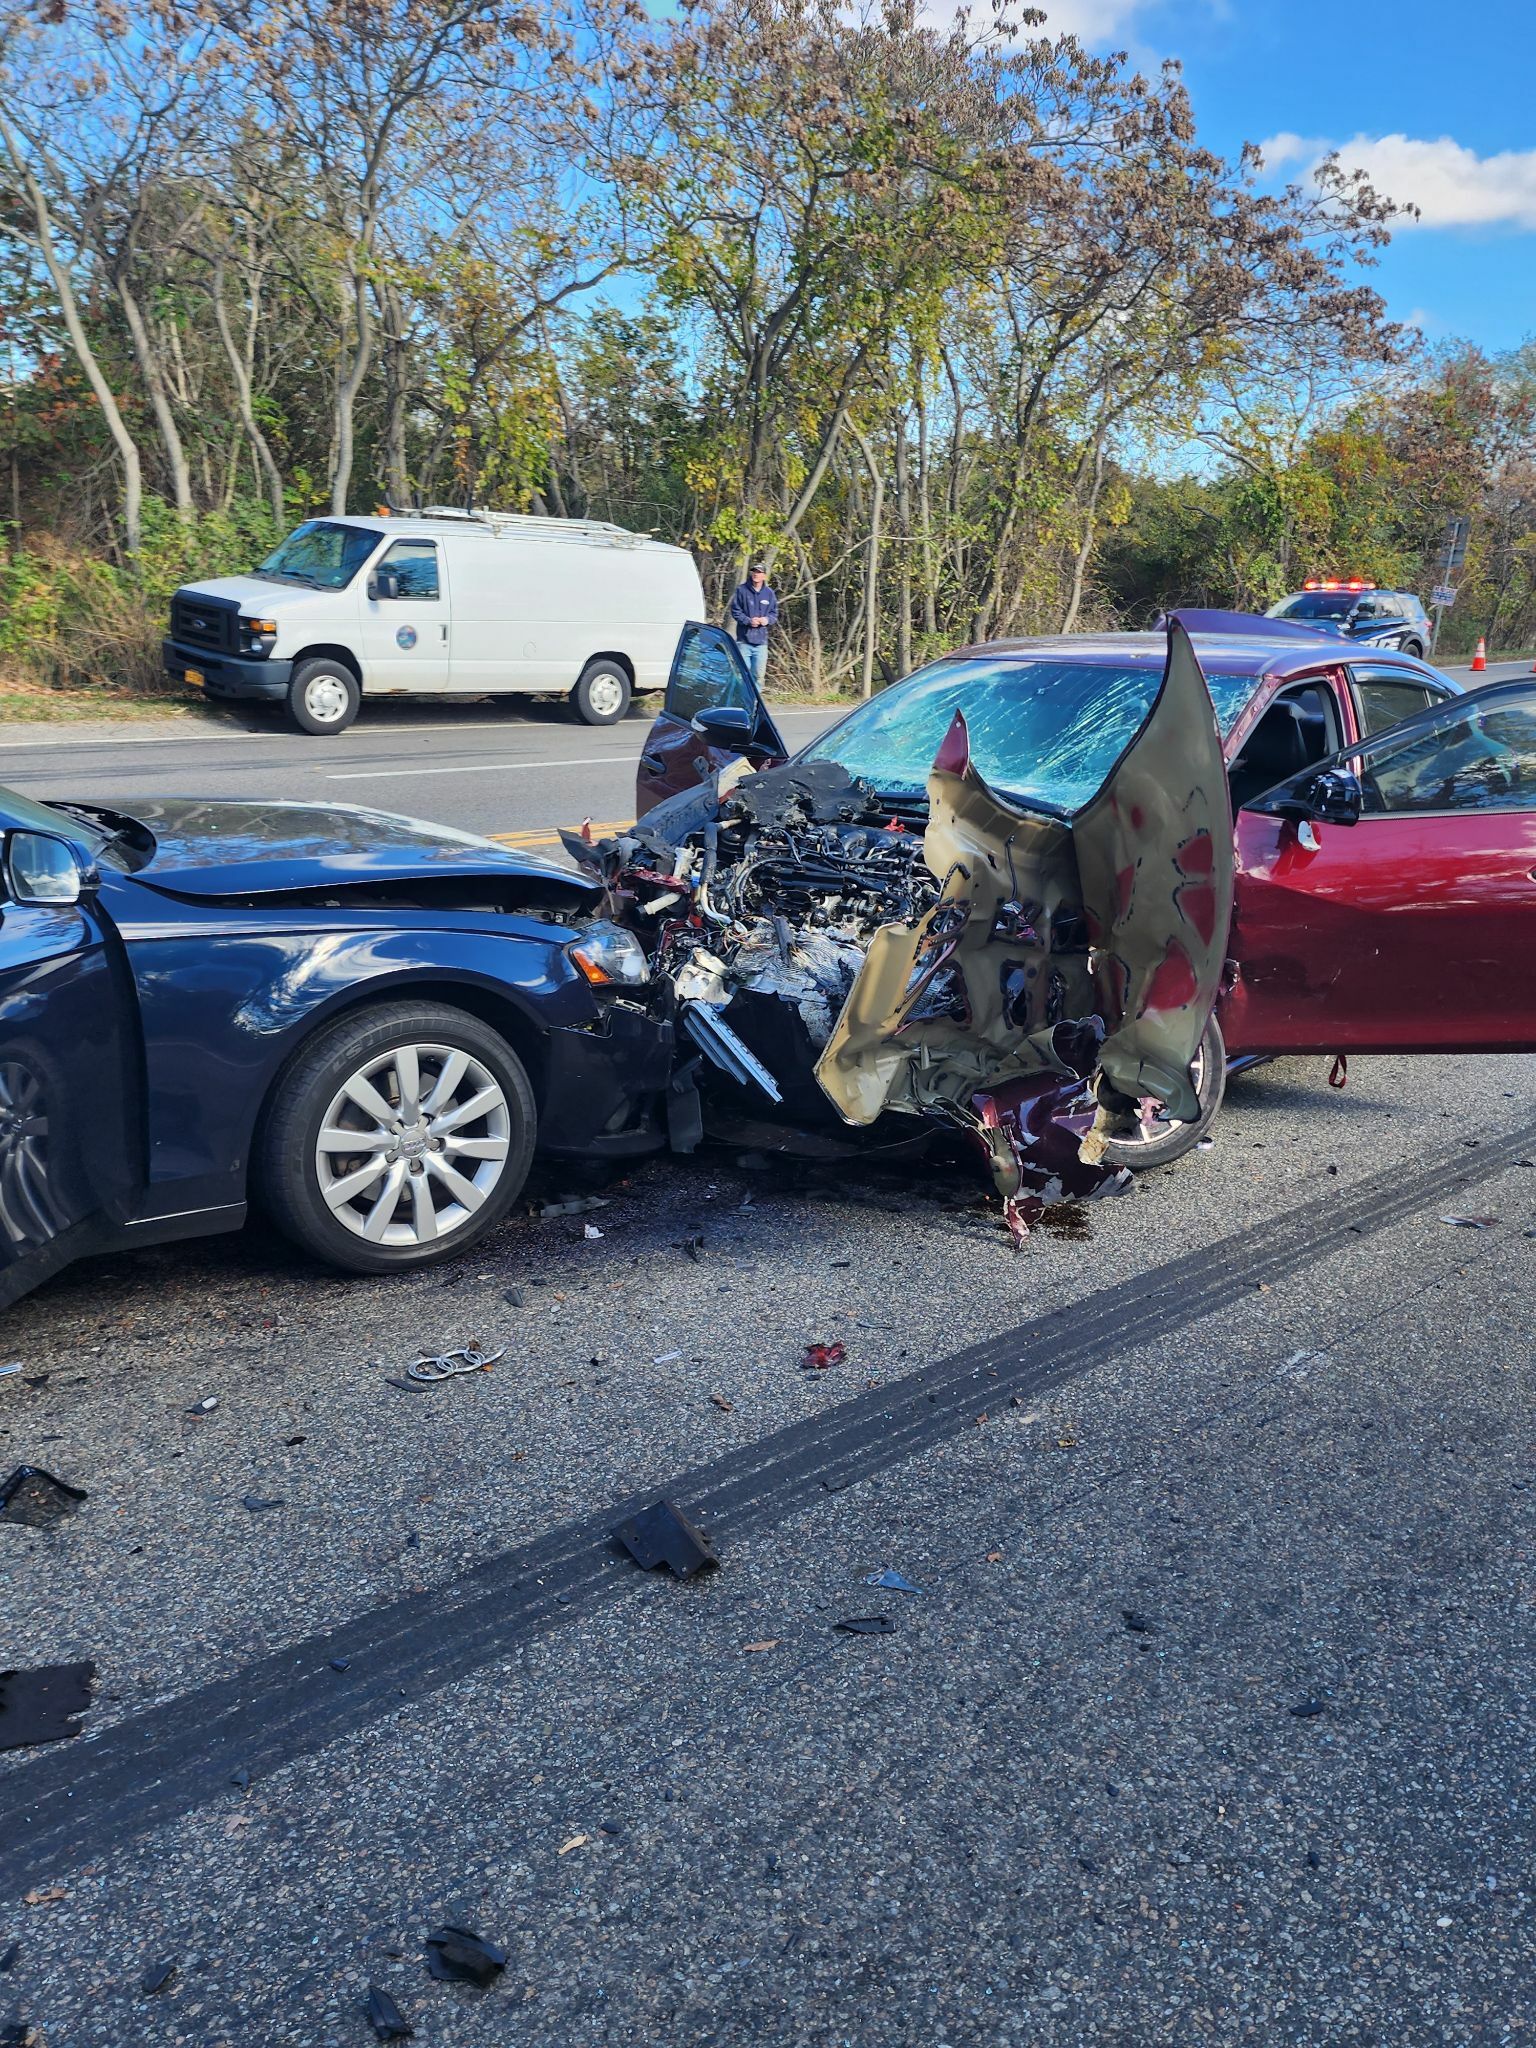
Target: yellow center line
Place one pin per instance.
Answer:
(549, 835)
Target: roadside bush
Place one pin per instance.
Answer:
(70, 621)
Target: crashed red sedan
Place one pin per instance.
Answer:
(1008, 895)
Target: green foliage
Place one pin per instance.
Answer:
(69, 620)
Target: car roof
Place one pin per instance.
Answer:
(1258, 655)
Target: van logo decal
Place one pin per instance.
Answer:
(406, 637)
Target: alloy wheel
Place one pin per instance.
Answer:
(412, 1144)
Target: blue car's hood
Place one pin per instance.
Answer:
(209, 848)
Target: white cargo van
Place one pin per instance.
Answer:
(439, 603)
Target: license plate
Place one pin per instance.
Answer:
(195, 675)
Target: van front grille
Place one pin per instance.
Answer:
(199, 622)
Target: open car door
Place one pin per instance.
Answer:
(712, 714)
(1386, 902)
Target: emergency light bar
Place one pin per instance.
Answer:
(1313, 583)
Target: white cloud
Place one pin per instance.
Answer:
(1452, 186)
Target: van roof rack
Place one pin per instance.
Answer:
(532, 523)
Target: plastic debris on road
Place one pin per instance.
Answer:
(385, 2017)
(457, 1955)
(893, 1582)
(44, 1705)
(156, 1977)
(1470, 1222)
(663, 1535)
(590, 1231)
(37, 1499)
(431, 1368)
(818, 1357)
(866, 1625)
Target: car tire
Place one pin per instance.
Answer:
(323, 696)
(1165, 1140)
(1413, 647)
(602, 692)
(331, 1200)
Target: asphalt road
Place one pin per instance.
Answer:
(517, 772)
(1211, 1721)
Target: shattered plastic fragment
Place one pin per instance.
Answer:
(44, 1705)
(36, 1498)
(893, 1582)
(866, 1625)
(1471, 1222)
(578, 1205)
(819, 1356)
(663, 1535)
(385, 2017)
(457, 1955)
(156, 1977)
(1138, 1624)
(590, 1231)
(257, 1505)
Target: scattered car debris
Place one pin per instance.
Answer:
(156, 1977)
(259, 1506)
(577, 1205)
(513, 1295)
(1470, 1222)
(768, 1643)
(590, 1231)
(663, 1535)
(1307, 1709)
(341, 1663)
(385, 2017)
(43, 1705)
(457, 1955)
(203, 1407)
(38, 1499)
(893, 1582)
(692, 1247)
(725, 1407)
(8, 1958)
(819, 1356)
(432, 1367)
(1139, 1624)
(666, 1358)
(866, 1625)
(9, 1371)
(573, 1842)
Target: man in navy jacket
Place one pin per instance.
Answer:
(754, 608)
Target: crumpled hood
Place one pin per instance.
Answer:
(210, 848)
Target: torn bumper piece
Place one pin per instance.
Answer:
(604, 1089)
(721, 1045)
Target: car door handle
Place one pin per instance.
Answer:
(653, 764)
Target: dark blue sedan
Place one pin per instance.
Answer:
(364, 1023)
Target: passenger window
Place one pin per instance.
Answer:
(1300, 727)
(1476, 756)
(1384, 699)
(707, 672)
(415, 565)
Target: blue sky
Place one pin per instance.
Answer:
(1437, 100)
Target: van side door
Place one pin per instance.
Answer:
(406, 623)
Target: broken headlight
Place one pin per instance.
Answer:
(610, 957)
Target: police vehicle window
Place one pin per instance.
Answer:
(1475, 756)
(1383, 700)
(415, 565)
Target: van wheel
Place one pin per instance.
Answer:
(601, 696)
(323, 696)
(1162, 1139)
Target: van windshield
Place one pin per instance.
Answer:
(321, 554)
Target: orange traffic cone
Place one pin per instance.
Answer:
(1480, 659)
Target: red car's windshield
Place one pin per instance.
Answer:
(1042, 732)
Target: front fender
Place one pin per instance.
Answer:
(226, 1001)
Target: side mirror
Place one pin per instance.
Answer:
(383, 583)
(41, 869)
(727, 725)
(1333, 796)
